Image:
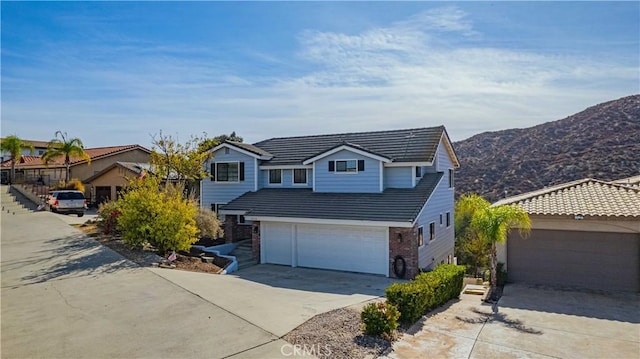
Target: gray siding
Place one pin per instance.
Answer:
(441, 201)
(216, 192)
(398, 177)
(367, 181)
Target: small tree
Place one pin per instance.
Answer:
(469, 248)
(182, 162)
(492, 224)
(66, 147)
(158, 216)
(14, 145)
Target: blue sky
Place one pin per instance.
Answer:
(114, 72)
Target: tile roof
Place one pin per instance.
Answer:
(249, 147)
(409, 145)
(587, 197)
(633, 182)
(94, 154)
(393, 205)
(36, 144)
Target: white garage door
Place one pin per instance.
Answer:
(347, 248)
(277, 243)
(353, 249)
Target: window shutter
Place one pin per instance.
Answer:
(360, 165)
(213, 171)
(241, 171)
(332, 167)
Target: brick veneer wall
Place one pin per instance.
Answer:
(255, 240)
(233, 231)
(407, 248)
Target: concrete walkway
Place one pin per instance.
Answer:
(66, 296)
(529, 323)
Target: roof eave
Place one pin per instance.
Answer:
(348, 148)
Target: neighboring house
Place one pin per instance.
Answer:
(39, 147)
(361, 202)
(32, 168)
(584, 233)
(106, 184)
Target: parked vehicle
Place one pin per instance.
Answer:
(67, 202)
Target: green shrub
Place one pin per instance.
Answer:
(208, 224)
(380, 319)
(427, 291)
(410, 299)
(108, 213)
(158, 216)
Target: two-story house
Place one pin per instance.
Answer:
(371, 202)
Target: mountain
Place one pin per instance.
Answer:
(601, 142)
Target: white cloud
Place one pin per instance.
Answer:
(407, 74)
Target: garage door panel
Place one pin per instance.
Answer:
(607, 261)
(355, 249)
(277, 243)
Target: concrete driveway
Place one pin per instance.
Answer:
(278, 298)
(530, 322)
(66, 296)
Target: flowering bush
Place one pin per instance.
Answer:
(108, 213)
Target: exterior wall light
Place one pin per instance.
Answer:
(399, 237)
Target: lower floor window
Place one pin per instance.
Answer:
(432, 231)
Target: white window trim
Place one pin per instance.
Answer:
(215, 163)
(423, 241)
(269, 177)
(451, 183)
(293, 177)
(335, 167)
(449, 213)
(441, 219)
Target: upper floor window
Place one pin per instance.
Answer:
(448, 219)
(420, 236)
(418, 171)
(451, 178)
(346, 166)
(300, 176)
(275, 176)
(227, 171)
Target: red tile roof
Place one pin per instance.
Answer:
(94, 154)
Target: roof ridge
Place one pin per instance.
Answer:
(543, 191)
(351, 133)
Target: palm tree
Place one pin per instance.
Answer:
(492, 224)
(14, 145)
(65, 147)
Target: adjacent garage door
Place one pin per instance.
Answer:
(604, 261)
(347, 248)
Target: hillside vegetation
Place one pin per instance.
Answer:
(601, 142)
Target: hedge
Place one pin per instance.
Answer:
(427, 291)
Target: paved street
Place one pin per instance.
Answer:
(66, 296)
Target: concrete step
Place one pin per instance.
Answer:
(13, 202)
